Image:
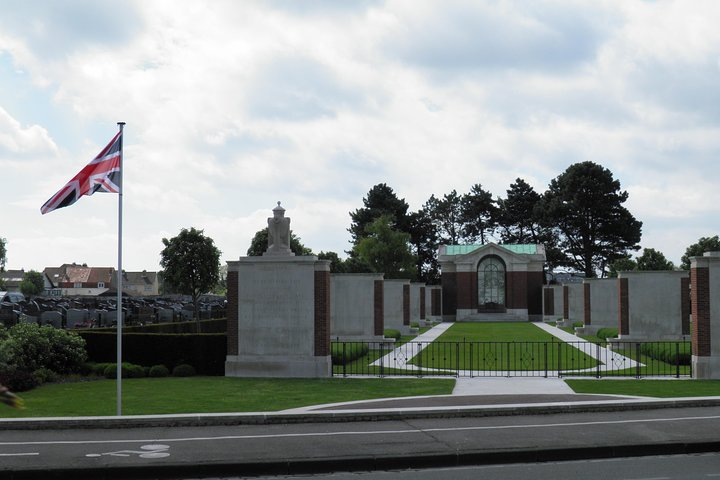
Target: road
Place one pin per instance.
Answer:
(355, 446)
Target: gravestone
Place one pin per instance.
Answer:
(278, 311)
(52, 318)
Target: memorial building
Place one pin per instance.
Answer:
(492, 282)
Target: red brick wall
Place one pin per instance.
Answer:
(422, 303)
(549, 304)
(516, 290)
(436, 302)
(406, 305)
(322, 313)
(587, 317)
(623, 307)
(232, 313)
(378, 308)
(566, 299)
(700, 281)
(535, 282)
(685, 305)
(466, 290)
(449, 293)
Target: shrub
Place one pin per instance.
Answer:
(30, 347)
(129, 370)
(99, 368)
(44, 375)
(605, 333)
(18, 380)
(157, 371)
(392, 333)
(352, 351)
(183, 370)
(669, 352)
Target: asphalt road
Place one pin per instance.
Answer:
(193, 452)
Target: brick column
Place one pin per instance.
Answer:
(232, 313)
(623, 307)
(378, 308)
(406, 305)
(566, 302)
(685, 305)
(587, 315)
(699, 278)
(548, 301)
(422, 303)
(322, 313)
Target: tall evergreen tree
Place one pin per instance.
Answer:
(585, 206)
(424, 240)
(446, 214)
(652, 259)
(380, 200)
(386, 250)
(704, 244)
(479, 215)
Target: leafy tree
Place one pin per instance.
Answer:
(380, 200)
(191, 264)
(32, 283)
(625, 264)
(705, 244)
(386, 250)
(3, 254)
(479, 215)
(259, 244)
(424, 241)
(29, 346)
(652, 259)
(337, 265)
(446, 214)
(585, 206)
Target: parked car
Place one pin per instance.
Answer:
(11, 297)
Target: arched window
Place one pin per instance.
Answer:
(491, 282)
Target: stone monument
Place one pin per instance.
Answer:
(278, 311)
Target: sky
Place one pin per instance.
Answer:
(231, 106)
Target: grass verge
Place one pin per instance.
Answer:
(153, 396)
(648, 388)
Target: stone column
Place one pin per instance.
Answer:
(705, 298)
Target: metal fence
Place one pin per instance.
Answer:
(513, 359)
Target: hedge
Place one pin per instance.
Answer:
(206, 351)
(352, 351)
(679, 353)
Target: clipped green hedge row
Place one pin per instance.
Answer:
(605, 333)
(206, 352)
(392, 333)
(352, 351)
(668, 352)
(218, 325)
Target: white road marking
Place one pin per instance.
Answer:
(368, 432)
(28, 454)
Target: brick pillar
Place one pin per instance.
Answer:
(587, 310)
(322, 313)
(406, 305)
(232, 313)
(548, 302)
(623, 307)
(566, 302)
(699, 278)
(378, 308)
(685, 305)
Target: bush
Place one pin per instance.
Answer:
(183, 370)
(669, 352)
(44, 375)
(30, 347)
(605, 333)
(129, 370)
(157, 371)
(352, 351)
(17, 380)
(392, 333)
(99, 368)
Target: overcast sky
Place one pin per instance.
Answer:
(232, 106)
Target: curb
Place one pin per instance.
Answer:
(349, 415)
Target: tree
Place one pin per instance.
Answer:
(3, 254)
(625, 264)
(478, 215)
(386, 250)
(652, 259)
(259, 244)
(584, 205)
(446, 214)
(191, 264)
(336, 263)
(380, 200)
(705, 244)
(424, 241)
(32, 284)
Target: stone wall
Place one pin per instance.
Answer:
(354, 312)
(396, 310)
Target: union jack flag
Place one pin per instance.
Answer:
(100, 175)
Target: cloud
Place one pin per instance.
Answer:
(20, 142)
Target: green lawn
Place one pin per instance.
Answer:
(648, 388)
(148, 396)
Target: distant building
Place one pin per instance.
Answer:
(71, 280)
(502, 282)
(11, 279)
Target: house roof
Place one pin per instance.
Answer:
(12, 277)
(135, 278)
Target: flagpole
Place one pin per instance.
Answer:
(118, 317)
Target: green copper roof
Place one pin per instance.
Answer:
(463, 249)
